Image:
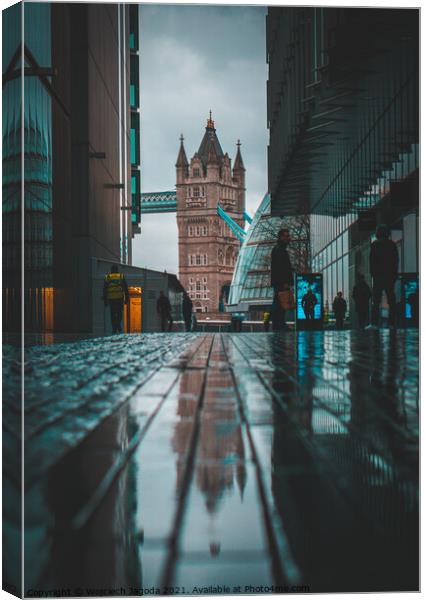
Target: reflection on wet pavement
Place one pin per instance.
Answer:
(191, 461)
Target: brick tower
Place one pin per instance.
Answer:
(207, 247)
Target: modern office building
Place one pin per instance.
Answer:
(77, 72)
(251, 290)
(343, 116)
(208, 249)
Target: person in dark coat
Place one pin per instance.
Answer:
(164, 309)
(309, 301)
(361, 295)
(339, 309)
(115, 292)
(384, 271)
(187, 311)
(281, 277)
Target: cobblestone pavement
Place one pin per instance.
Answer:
(191, 461)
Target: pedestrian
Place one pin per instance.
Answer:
(281, 277)
(339, 309)
(115, 292)
(309, 301)
(266, 320)
(361, 295)
(384, 271)
(164, 309)
(187, 311)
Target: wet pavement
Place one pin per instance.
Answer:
(209, 463)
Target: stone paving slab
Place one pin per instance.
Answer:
(182, 460)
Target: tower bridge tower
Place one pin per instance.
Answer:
(208, 249)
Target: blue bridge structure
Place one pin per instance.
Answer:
(165, 202)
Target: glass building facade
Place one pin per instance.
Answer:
(251, 289)
(343, 117)
(70, 107)
(36, 155)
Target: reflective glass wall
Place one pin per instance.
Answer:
(343, 115)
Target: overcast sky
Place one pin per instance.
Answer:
(194, 59)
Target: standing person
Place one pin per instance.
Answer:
(339, 309)
(281, 277)
(384, 271)
(187, 311)
(266, 320)
(164, 309)
(309, 301)
(114, 293)
(361, 295)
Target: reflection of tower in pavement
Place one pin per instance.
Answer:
(219, 461)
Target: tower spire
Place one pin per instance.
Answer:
(181, 161)
(238, 162)
(210, 122)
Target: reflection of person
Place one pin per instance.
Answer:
(309, 301)
(361, 295)
(384, 270)
(164, 309)
(281, 277)
(413, 301)
(237, 322)
(115, 292)
(187, 311)
(339, 309)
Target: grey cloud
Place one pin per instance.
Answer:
(193, 59)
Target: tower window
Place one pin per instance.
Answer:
(191, 230)
(196, 172)
(198, 286)
(204, 229)
(204, 259)
(196, 191)
(198, 259)
(228, 257)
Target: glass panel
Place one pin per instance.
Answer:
(134, 139)
(134, 81)
(346, 291)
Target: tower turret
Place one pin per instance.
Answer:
(238, 172)
(181, 164)
(239, 178)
